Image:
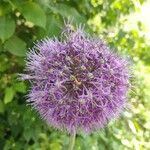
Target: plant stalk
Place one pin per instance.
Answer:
(72, 140)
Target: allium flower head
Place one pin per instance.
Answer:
(77, 83)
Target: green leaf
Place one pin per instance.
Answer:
(55, 146)
(28, 134)
(53, 26)
(33, 13)
(68, 12)
(16, 46)
(7, 27)
(9, 95)
(1, 107)
(5, 8)
(20, 87)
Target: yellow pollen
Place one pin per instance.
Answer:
(75, 80)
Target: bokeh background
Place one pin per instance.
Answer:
(124, 24)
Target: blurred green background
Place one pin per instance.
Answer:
(124, 24)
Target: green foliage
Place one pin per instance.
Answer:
(9, 94)
(7, 26)
(33, 13)
(22, 22)
(16, 46)
(67, 11)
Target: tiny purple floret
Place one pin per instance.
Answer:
(77, 83)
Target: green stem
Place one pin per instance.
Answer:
(72, 140)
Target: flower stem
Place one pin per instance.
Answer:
(72, 140)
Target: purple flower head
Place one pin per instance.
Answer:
(77, 83)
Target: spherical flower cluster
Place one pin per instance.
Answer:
(77, 83)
